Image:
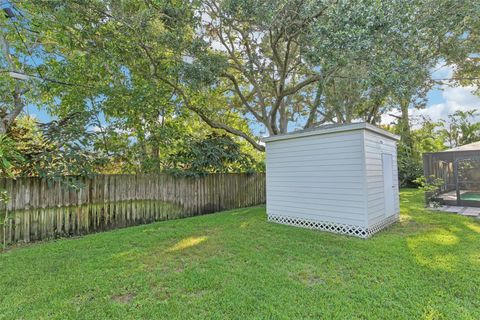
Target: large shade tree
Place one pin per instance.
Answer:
(298, 63)
(125, 64)
(241, 64)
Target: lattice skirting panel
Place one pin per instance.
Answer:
(347, 229)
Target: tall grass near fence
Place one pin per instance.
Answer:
(39, 210)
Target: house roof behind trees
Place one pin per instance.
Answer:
(474, 146)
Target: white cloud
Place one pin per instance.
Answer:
(455, 98)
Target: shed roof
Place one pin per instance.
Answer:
(331, 128)
(474, 146)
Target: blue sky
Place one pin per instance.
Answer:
(41, 115)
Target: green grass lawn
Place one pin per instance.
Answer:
(236, 265)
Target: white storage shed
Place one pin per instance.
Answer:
(337, 178)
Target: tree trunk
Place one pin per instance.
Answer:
(283, 118)
(8, 118)
(155, 152)
(405, 134)
(3, 127)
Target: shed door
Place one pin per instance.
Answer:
(388, 187)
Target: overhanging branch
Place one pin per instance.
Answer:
(212, 123)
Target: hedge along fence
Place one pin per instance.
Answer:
(40, 210)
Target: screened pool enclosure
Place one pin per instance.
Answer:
(457, 173)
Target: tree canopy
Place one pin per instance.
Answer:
(149, 80)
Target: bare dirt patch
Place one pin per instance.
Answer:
(123, 298)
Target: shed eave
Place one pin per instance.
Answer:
(341, 128)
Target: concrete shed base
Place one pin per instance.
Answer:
(351, 230)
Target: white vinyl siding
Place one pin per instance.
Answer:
(375, 145)
(332, 179)
(318, 178)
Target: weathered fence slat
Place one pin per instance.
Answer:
(40, 210)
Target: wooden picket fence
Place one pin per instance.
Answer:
(40, 210)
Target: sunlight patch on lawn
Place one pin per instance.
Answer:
(473, 226)
(429, 250)
(405, 218)
(244, 224)
(475, 258)
(129, 255)
(445, 262)
(431, 314)
(186, 243)
(444, 239)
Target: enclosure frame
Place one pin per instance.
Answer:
(453, 157)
